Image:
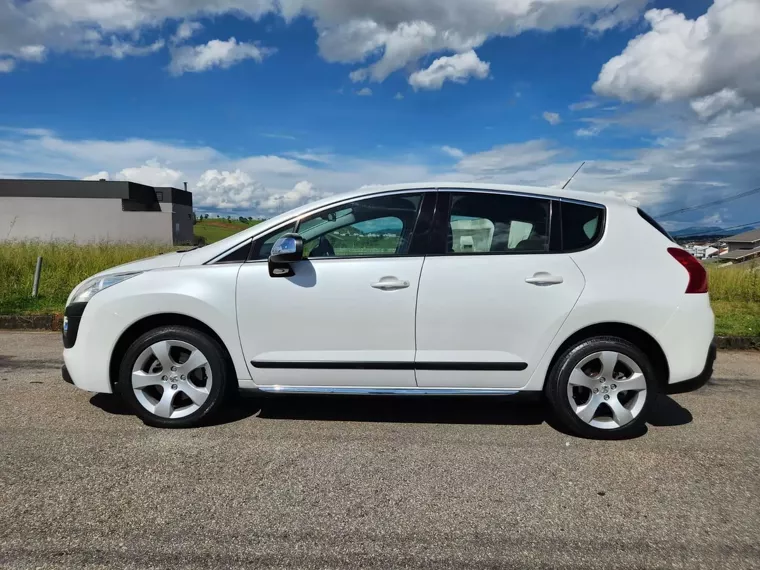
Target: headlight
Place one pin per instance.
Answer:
(86, 291)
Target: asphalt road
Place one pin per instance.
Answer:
(313, 482)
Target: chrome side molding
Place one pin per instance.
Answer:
(411, 391)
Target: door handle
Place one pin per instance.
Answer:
(544, 278)
(390, 284)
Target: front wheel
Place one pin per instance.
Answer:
(174, 377)
(603, 388)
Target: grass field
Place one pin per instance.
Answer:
(734, 291)
(64, 266)
(216, 229)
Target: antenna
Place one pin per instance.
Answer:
(569, 180)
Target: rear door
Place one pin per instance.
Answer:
(493, 293)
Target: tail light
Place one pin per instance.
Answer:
(697, 273)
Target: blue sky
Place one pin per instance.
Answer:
(263, 105)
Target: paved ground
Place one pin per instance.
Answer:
(372, 483)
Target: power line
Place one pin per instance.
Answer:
(680, 236)
(713, 203)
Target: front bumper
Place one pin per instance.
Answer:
(698, 381)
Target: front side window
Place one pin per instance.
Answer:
(372, 227)
(263, 246)
(496, 223)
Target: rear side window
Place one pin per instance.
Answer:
(497, 223)
(654, 224)
(581, 225)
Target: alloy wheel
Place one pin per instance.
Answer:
(171, 379)
(607, 390)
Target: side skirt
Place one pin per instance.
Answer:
(368, 391)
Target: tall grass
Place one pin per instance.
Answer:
(64, 266)
(735, 290)
(735, 283)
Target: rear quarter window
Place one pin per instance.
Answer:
(581, 225)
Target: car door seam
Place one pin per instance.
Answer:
(562, 324)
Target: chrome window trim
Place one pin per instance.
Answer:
(411, 190)
(297, 221)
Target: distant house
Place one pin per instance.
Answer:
(702, 251)
(94, 211)
(743, 247)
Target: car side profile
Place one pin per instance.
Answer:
(425, 289)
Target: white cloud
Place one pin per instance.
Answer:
(153, 173)
(119, 49)
(7, 65)
(711, 105)
(216, 53)
(185, 31)
(704, 160)
(584, 105)
(32, 53)
(452, 151)
(311, 156)
(508, 157)
(717, 55)
(102, 175)
(398, 96)
(364, 92)
(383, 36)
(457, 68)
(301, 193)
(226, 190)
(587, 132)
(552, 118)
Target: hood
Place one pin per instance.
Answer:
(157, 262)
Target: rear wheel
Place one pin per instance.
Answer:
(603, 387)
(174, 377)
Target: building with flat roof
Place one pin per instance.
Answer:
(84, 211)
(743, 247)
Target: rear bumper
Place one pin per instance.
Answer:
(687, 337)
(698, 381)
(65, 375)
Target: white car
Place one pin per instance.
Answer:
(427, 289)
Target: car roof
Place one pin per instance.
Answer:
(211, 251)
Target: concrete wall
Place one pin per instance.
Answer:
(82, 220)
(182, 222)
(735, 246)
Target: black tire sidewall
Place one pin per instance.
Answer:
(213, 353)
(556, 388)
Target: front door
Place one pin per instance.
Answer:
(346, 318)
(494, 296)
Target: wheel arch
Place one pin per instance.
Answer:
(631, 333)
(141, 326)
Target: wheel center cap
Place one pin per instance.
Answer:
(605, 389)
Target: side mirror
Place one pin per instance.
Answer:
(286, 250)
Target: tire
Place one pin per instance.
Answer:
(179, 397)
(584, 368)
